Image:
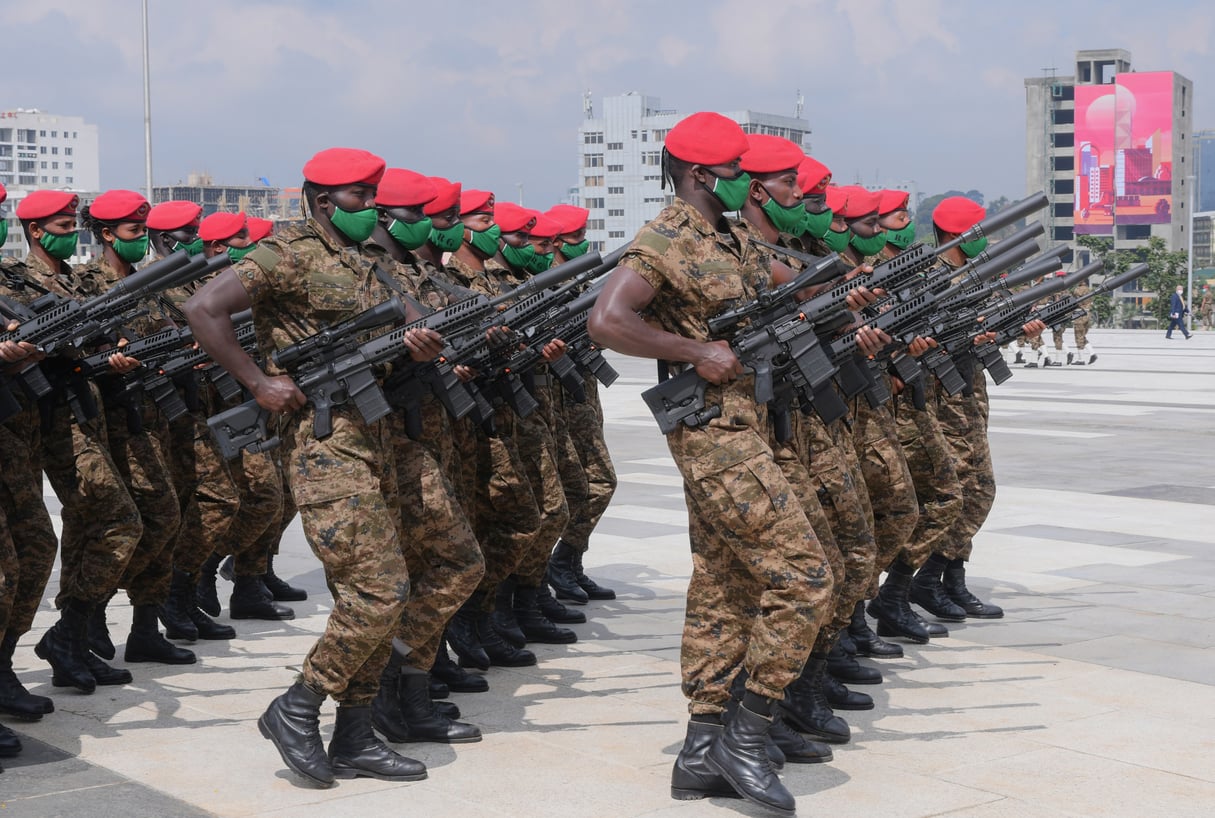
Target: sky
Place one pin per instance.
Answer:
(491, 93)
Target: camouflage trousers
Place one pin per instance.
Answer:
(141, 463)
(345, 489)
(28, 522)
(101, 525)
(963, 421)
(1081, 327)
(539, 452)
(849, 515)
(444, 559)
(206, 492)
(761, 585)
(792, 456)
(888, 481)
(570, 470)
(9, 570)
(930, 459)
(585, 424)
(507, 520)
(257, 526)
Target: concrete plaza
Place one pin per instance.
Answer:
(1094, 696)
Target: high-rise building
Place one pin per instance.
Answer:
(1109, 146)
(1204, 170)
(255, 200)
(620, 161)
(40, 150)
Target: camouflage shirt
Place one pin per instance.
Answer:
(106, 276)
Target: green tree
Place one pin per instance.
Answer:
(1166, 269)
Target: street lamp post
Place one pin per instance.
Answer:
(147, 108)
(1189, 253)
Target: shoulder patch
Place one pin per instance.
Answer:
(264, 257)
(652, 241)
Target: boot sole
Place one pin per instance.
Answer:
(836, 706)
(262, 618)
(266, 734)
(893, 633)
(865, 681)
(830, 738)
(347, 774)
(683, 794)
(564, 597)
(541, 639)
(24, 715)
(808, 759)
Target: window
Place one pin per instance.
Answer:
(6, 134)
(1063, 234)
(1135, 232)
(1065, 140)
(651, 158)
(615, 146)
(25, 135)
(1067, 186)
(592, 160)
(615, 168)
(661, 135)
(617, 212)
(645, 136)
(1063, 210)
(42, 150)
(592, 181)
(593, 203)
(44, 180)
(652, 178)
(68, 165)
(73, 134)
(55, 151)
(594, 224)
(67, 151)
(54, 166)
(55, 179)
(25, 166)
(633, 134)
(655, 199)
(27, 180)
(615, 191)
(69, 180)
(42, 133)
(615, 234)
(43, 164)
(1063, 116)
(592, 138)
(1065, 162)
(54, 134)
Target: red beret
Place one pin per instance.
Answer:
(344, 166)
(861, 202)
(512, 218)
(476, 201)
(892, 200)
(447, 198)
(770, 154)
(173, 215)
(258, 228)
(43, 203)
(119, 206)
(957, 214)
(3, 193)
(572, 217)
(813, 176)
(221, 226)
(546, 227)
(404, 188)
(707, 138)
(837, 199)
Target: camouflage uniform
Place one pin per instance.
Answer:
(584, 428)
(930, 460)
(345, 485)
(137, 436)
(761, 585)
(1081, 325)
(964, 422)
(257, 526)
(101, 525)
(33, 538)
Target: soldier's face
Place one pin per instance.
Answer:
(866, 227)
(895, 221)
(573, 238)
(353, 198)
(815, 202)
(447, 218)
(516, 239)
(782, 187)
(127, 231)
(405, 215)
(543, 244)
(476, 222)
(56, 225)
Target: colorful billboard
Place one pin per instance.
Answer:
(1124, 152)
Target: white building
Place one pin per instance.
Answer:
(45, 151)
(620, 162)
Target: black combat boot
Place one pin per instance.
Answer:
(175, 613)
(892, 609)
(279, 588)
(147, 644)
(592, 589)
(500, 652)
(207, 627)
(355, 751)
(104, 674)
(10, 743)
(846, 668)
(455, 677)
(740, 756)
(535, 626)
(554, 611)
(292, 722)
(691, 778)
(439, 689)
(422, 718)
(251, 600)
(503, 616)
(562, 577)
(796, 748)
(208, 596)
(15, 700)
(805, 706)
(98, 633)
(928, 592)
(462, 633)
(63, 647)
(955, 588)
(866, 641)
(841, 698)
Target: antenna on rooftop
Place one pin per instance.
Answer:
(800, 106)
(588, 107)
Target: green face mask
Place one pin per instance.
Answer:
(903, 237)
(575, 250)
(193, 248)
(870, 246)
(486, 241)
(131, 251)
(784, 219)
(837, 240)
(540, 263)
(815, 225)
(237, 253)
(56, 246)
(448, 239)
(410, 235)
(356, 225)
(732, 192)
(973, 248)
(518, 257)
(3, 230)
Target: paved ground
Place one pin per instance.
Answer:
(1093, 697)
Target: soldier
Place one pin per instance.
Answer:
(344, 486)
(173, 226)
(761, 585)
(1085, 354)
(584, 423)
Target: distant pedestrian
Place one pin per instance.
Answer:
(1177, 313)
(1206, 309)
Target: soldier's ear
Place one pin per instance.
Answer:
(323, 204)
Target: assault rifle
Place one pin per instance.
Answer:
(1070, 307)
